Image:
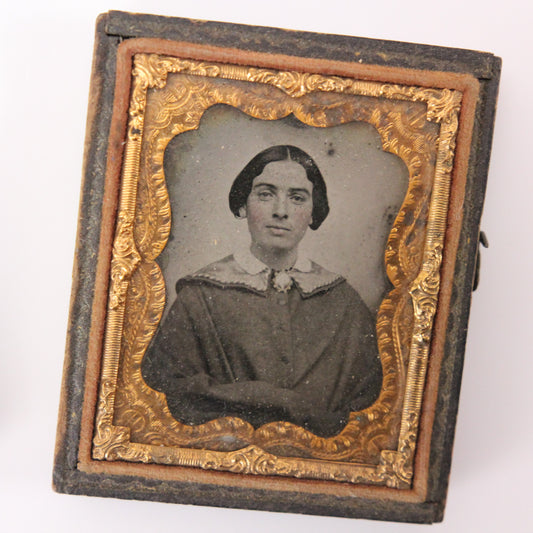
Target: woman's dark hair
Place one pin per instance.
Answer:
(242, 186)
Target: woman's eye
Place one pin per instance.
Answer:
(298, 199)
(264, 195)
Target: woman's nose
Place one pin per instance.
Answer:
(280, 208)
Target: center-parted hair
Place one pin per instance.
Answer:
(242, 186)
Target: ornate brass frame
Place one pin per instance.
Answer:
(169, 96)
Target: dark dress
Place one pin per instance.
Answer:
(232, 345)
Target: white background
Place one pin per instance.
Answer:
(45, 51)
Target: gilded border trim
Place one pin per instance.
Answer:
(395, 468)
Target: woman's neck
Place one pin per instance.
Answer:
(276, 259)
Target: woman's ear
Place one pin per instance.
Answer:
(242, 212)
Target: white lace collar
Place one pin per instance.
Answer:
(244, 270)
(247, 260)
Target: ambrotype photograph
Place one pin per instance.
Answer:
(256, 326)
(278, 248)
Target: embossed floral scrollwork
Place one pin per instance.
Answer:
(125, 259)
(250, 460)
(391, 470)
(424, 292)
(297, 84)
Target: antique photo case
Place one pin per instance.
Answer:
(276, 251)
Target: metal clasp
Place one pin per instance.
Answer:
(485, 242)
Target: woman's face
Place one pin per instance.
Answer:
(280, 206)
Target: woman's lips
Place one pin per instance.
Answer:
(278, 228)
(278, 231)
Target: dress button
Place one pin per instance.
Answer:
(282, 301)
